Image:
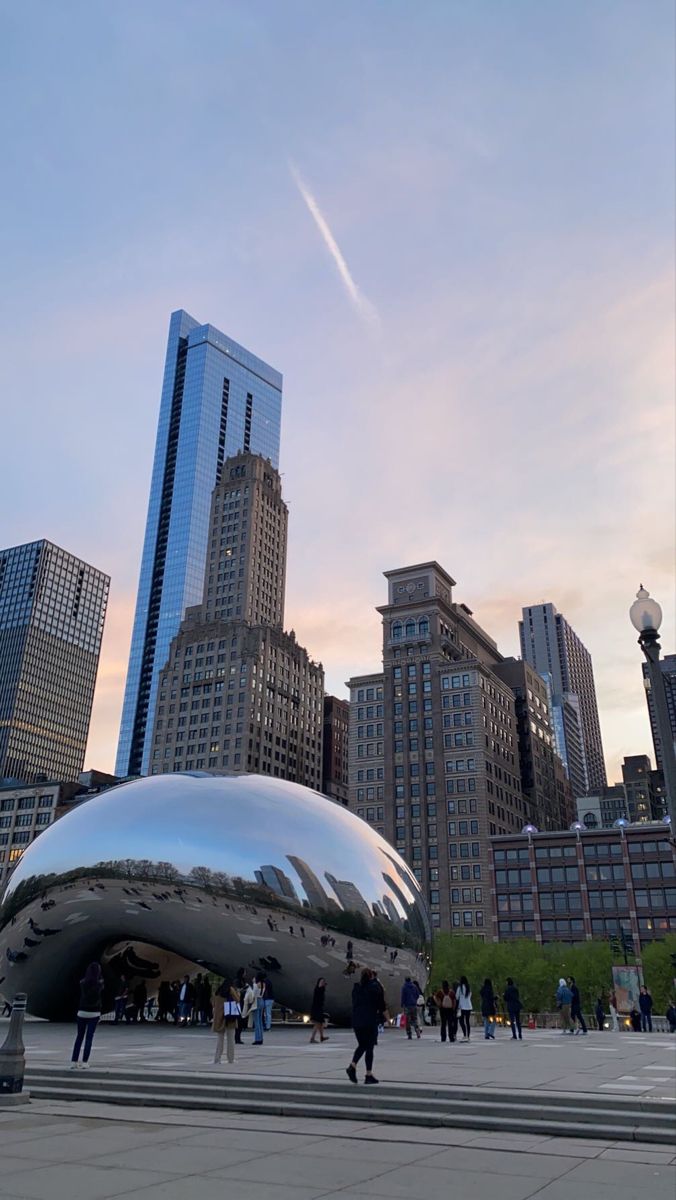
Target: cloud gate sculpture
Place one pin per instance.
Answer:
(219, 872)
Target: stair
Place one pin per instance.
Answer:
(563, 1114)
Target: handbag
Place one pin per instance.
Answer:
(231, 1009)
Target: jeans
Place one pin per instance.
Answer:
(565, 1018)
(267, 1018)
(449, 1024)
(489, 1028)
(515, 1022)
(258, 1017)
(86, 1027)
(576, 1015)
(412, 1020)
(366, 1040)
(464, 1018)
(120, 1007)
(184, 1010)
(646, 1022)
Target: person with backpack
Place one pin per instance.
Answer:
(409, 1004)
(446, 1004)
(224, 1024)
(368, 1012)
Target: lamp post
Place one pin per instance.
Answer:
(646, 617)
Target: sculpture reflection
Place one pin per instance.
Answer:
(222, 871)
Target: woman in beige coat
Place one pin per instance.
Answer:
(226, 1012)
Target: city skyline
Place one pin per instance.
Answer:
(484, 330)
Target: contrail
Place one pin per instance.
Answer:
(363, 306)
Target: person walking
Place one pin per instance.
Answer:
(88, 1014)
(226, 1015)
(446, 1003)
(121, 994)
(599, 1013)
(563, 1001)
(576, 1006)
(409, 1005)
(432, 1009)
(464, 997)
(318, 1010)
(488, 1010)
(645, 1003)
(513, 1005)
(612, 1004)
(368, 1012)
(186, 999)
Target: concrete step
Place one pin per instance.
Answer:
(642, 1122)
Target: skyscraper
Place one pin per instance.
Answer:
(336, 760)
(236, 691)
(217, 399)
(552, 647)
(434, 754)
(52, 609)
(668, 669)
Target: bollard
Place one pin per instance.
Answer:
(12, 1056)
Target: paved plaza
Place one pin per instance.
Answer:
(600, 1063)
(81, 1151)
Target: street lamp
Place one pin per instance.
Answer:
(646, 617)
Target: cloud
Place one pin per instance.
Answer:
(360, 303)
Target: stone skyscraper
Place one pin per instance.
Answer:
(434, 755)
(52, 609)
(217, 399)
(237, 693)
(552, 648)
(668, 669)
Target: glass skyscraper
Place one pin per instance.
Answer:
(217, 399)
(52, 609)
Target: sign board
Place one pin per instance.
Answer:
(627, 987)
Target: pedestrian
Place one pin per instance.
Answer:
(671, 1017)
(488, 1010)
(464, 995)
(368, 1012)
(242, 987)
(140, 997)
(349, 951)
(645, 1003)
(635, 1018)
(421, 1004)
(409, 1004)
(432, 1009)
(318, 1010)
(599, 1013)
(253, 1008)
(121, 994)
(563, 1001)
(513, 1005)
(576, 1006)
(164, 1001)
(186, 999)
(612, 1005)
(446, 1003)
(203, 997)
(227, 1012)
(268, 1002)
(88, 1014)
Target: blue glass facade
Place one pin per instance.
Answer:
(217, 399)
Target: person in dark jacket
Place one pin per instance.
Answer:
(599, 1012)
(140, 997)
(488, 1009)
(576, 1005)
(645, 1003)
(447, 1005)
(88, 1014)
(318, 1010)
(513, 1005)
(635, 1018)
(368, 1012)
(671, 1017)
(409, 1004)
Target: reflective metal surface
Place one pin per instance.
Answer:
(223, 871)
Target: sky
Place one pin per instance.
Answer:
(449, 224)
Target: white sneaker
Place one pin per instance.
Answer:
(74, 1067)
(84, 1066)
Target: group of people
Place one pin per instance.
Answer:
(184, 1002)
(453, 1002)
